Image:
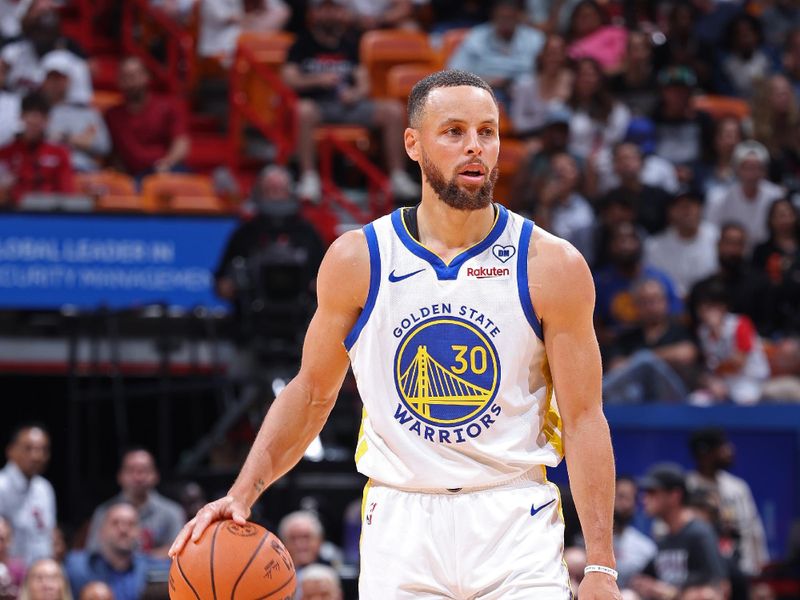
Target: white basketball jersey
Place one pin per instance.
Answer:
(450, 363)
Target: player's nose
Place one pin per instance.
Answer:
(472, 145)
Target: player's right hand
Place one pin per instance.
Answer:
(218, 510)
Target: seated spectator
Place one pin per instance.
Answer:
(747, 201)
(45, 580)
(598, 120)
(159, 519)
(632, 549)
(96, 590)
(590, 36)
(30, 163)
(646, 363)
(535, 95)
(636, 86)
(651, 202)
(790, 59)
(683, 47)
(615, 310)
(319, 582)
(714, 455)
(735, 363)
(500, 51)
(779, 258)
(779, 18)
(748, 291)
(592, 241)
(323, 68)
(27, 500)
(222, 21)
(680, 130)
(687, 556)
(686, 250)
(73, 122)
(42, 35)
(115, 560)
(10, 123)
(744, 62)
(149, 133)
(12, 569)
(304, 537)
(559, 207)
(11, 14)
(384, 14)
(717, 172)
(776, 119)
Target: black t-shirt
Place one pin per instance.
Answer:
(651, 206)
(314, 58)
(634, 339)
(748, 292)
(689, 557)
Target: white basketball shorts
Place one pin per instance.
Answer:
(504, 542)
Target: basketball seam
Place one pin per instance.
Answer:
(185, 578)
(211, 561)
(273, 592)
(264, 538)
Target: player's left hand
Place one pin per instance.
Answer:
(598, 586)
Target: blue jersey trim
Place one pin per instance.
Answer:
(443, 270)
(374, 286)
(522, 279)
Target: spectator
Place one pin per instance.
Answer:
(159, 519)
(42, 35)
(686, 250)
(636, 86)
(500, 51)
(748, 291)
(745, 62)
(559, 207)
(779, 258)
(73, 121)
(590, 37)
(598, 120)
(717, 173)
(30, 163)
(651, 202)
(535, 95)
(457, 14)
(646, 363)
(687, 556)
(9, 110)
(776, 119)
(192, 497)
(778, 20)
(12, 569)
(632, 549)
(11, 13)
(592, 241)
(735, 362)
(379, 14)
(45, 580)
(713, 455)
(27, 500)
(96, 590)
(115, 560)
(222, 21)
(304, 537)
(680, 130)
(149, 133)
(323, 68)
(319, 582)
(682, 47)
(615, 310)
(790, 59)
(747, 201)
(178, 10)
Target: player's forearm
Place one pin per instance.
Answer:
(294, 420)
(590, 460)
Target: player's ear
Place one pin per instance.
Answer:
(411, 141)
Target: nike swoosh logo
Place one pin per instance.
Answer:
(535, 510)
(395, 278)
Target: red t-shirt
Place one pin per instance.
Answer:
(141, 138)
(41, 167)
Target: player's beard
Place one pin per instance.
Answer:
(454, 196)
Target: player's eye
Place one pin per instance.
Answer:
(487, 131)
(453, 131)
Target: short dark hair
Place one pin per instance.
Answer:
(19, 429)
(706, 440)
(441, 79)
(35, 102)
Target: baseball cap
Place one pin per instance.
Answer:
(642, 132)
(58, 61)
(682, 76)
(664, 476)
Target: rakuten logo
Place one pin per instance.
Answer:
(484, 273)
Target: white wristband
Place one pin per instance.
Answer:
(600, 569)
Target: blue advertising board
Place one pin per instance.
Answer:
(86, 260)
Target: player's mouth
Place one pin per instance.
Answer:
(472, 173)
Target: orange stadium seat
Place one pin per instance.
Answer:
(195, 204)
(451, 40)
(401, 78)
(103, 183)
(160, 189)
(382, 49)
(269, 47)
(722, 106)
(512, 156)
(122, 203)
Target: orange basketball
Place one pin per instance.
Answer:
(233, 562)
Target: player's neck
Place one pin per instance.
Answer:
(449, 231)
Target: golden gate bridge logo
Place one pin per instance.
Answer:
(446, 371)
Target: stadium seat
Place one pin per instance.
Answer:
(160, 189)
(269, 47)
(122, 203)
(451, 40)
(512, 156)
(382, 49)
(401, 78)
(103, 183)
(722, 106)
(195, 204)
(102, 100)
(351, 134)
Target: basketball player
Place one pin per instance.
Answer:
(463, 322)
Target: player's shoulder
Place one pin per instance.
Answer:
(345, 271)
(549, 254)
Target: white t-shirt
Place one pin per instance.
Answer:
(11, 13)
(585, 133)
(730, 205)
(10, 123)
(685, 261)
